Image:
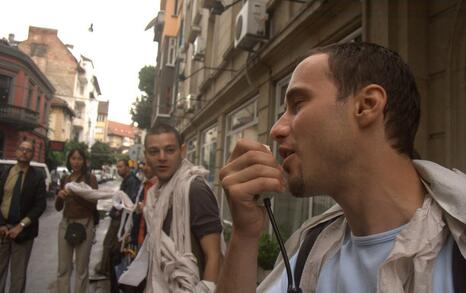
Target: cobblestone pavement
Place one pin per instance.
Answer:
(42, 269)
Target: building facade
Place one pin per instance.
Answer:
(233, 66)
(60, 120)
(166, 26)
(101, 130)
(25, 98)
(74, 80)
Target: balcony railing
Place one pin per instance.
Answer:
(19, 117)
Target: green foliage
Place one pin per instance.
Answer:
(72, 144)
(101, 154)
(55, 159)
(141, 109)
(268, 251)
(146, 80)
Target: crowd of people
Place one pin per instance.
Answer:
(348, 131)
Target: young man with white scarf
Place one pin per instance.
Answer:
(348, 131)
(182, 218)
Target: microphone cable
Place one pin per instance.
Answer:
(290, 288)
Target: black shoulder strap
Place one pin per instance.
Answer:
(459, 270)
(305, 249)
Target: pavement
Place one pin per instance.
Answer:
(42, 269)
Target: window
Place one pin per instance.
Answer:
(29, 96)
(39, 50)
(175, 8)
(38, 100)
(208, 151)
(5, 88)
(191, 147)
(171, 52)
(241, 123)
(81, 89)
(46, 112)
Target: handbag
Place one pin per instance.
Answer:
(75, 234)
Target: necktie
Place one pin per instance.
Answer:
(14, 216)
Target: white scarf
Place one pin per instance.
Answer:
(172, 265)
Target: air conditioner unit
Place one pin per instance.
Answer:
(250, 24)
(199, 49)
(189, 104)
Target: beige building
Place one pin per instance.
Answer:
(101, 128)
(60, 120)
(233, 66)
(72, 76)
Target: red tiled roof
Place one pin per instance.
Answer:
(120, 129)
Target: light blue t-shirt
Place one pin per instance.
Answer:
(354, 267)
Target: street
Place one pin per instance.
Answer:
(42, 269)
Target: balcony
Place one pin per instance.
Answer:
(19, 117)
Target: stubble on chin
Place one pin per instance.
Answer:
(296, 185)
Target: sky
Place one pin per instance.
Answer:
(118, 46)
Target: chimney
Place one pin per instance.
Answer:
(11, 38)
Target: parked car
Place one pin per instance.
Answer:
(41, 167)
(98, 175)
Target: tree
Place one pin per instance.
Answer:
(101, 154)
(56, 158)
(141, 110)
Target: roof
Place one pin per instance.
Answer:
(103, 108)
(120, 129)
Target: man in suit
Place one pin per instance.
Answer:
(22, 202)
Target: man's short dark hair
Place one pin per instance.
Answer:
(160, 128)
(125, 161)
(358, 64)
(32, 143)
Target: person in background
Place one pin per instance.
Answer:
(139, 228)
(181, 190)
(22, 202)
(75, 210)
(111, 254)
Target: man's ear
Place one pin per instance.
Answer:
(183, 151)
(369, 104)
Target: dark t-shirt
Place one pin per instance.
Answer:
(204, 217)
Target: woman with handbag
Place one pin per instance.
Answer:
(76, 230)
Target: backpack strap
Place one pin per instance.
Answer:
(459, 270)
(305, 249)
